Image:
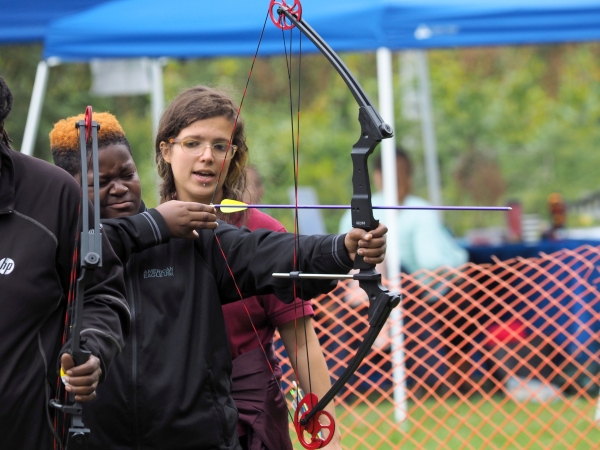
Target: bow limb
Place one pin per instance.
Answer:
(373, 130)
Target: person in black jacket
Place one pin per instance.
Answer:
(170, 389)
(38, 225)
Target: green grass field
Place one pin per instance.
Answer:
(516, 425)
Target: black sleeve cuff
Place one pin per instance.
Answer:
(338, 252)
(160, 224)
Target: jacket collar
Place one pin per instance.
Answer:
(7, 180)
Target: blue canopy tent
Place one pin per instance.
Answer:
(187, 29)
(26, 20)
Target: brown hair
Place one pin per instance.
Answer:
(64, 139)
(191, 105)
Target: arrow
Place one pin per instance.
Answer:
(228, 206)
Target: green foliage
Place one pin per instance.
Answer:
(511, 123)
(533, 110)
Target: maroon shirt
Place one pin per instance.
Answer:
(267, 311)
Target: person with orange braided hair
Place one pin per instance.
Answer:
(39, 206)
(117, 199)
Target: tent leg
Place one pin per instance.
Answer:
(35, 108)
(390, 190)
(428, 130)
(158, 93)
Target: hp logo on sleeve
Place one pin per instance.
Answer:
(6, 266)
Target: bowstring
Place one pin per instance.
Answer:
(296, 170)
(57, 441)
(215, 233)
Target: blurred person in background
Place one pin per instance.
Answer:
(424, 241)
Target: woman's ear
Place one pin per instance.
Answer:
(165, 149)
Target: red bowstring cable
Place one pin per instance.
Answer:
(235, 122)
(67, 325)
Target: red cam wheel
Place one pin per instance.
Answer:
(280, 20)
(314, 426)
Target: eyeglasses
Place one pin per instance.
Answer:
(195, 147)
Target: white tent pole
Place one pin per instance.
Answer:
(35, 108)
(390, 192)
(428, 130)
(158, 93)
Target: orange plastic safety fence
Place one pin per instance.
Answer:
(498, 356)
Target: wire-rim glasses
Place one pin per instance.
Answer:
(195, 147)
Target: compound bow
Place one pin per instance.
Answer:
(381, 300)
(90, 252)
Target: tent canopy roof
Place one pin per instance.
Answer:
(188, 28)
(26, 20)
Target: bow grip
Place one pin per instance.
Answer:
(373, 130)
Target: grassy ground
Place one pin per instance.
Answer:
(515, 426)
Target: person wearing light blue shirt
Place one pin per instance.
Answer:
(424, 244)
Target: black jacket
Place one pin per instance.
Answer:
(170, 389)
(38, 218)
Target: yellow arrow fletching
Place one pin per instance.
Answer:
(229, 206)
